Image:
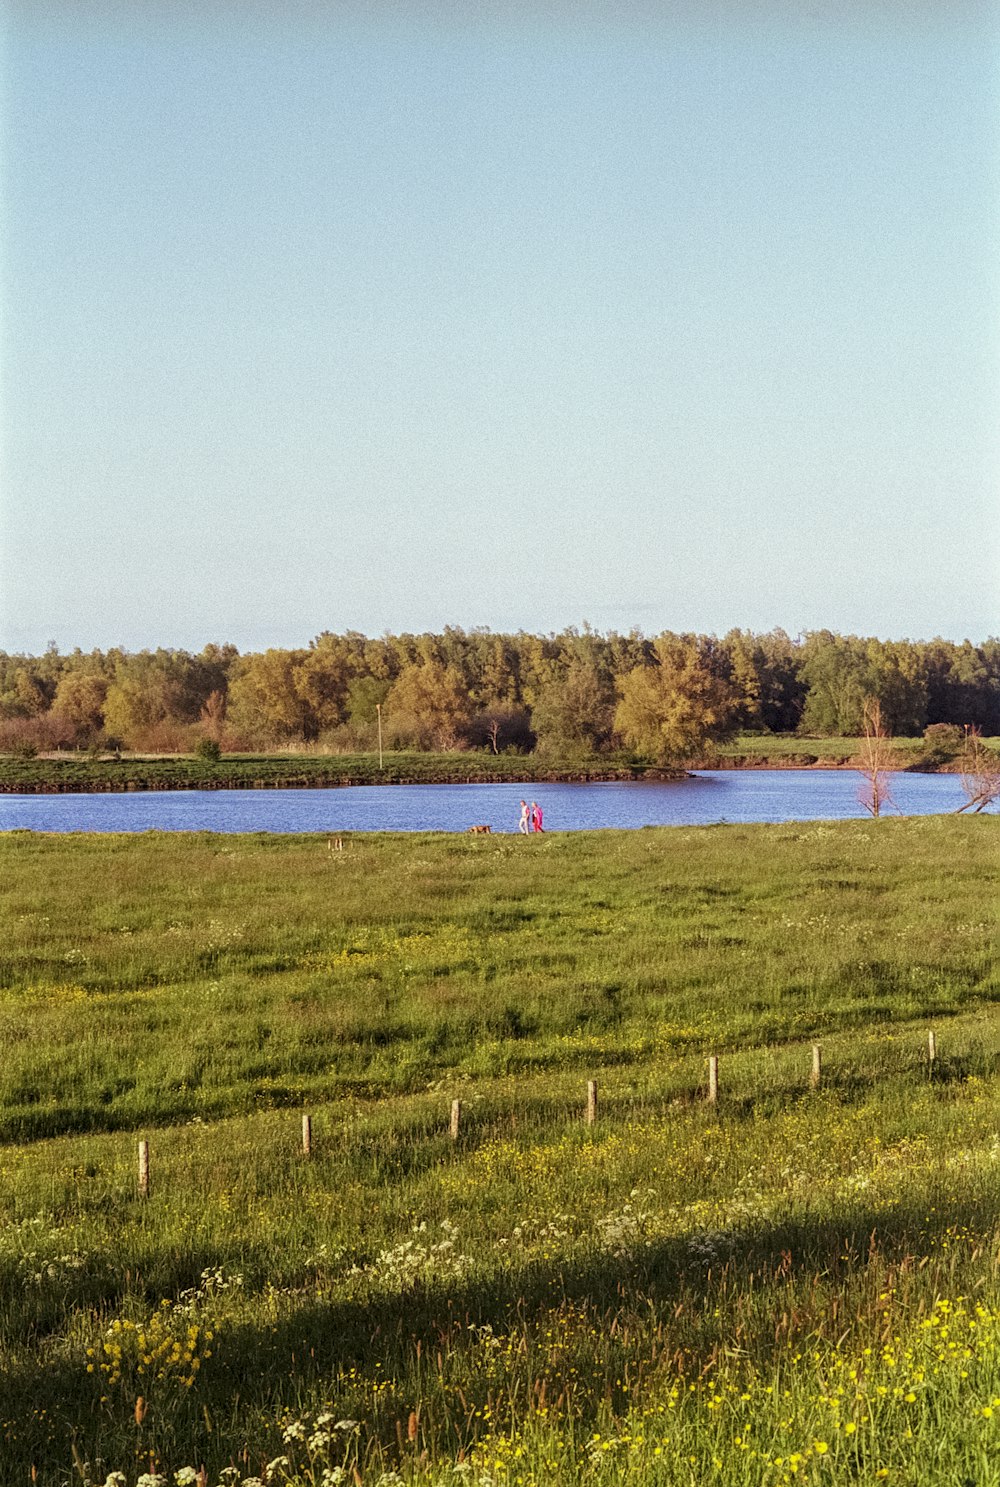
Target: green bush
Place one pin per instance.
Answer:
(945, 736)
(208, 751)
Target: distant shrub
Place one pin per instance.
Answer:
(208, 751)
(42, 734)
(945, 735)
(165, 737)
(348, 738)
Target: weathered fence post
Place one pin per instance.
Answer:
(591, 1101)
(456, 1118)
(931, 1047)
(817, 1066)
(307, 1135)
(143, 1169)
(713, 1079)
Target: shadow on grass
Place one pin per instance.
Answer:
(680, 1304)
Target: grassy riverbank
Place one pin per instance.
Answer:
(800, 1285)
(58, 774)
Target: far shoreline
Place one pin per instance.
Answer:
(58, 775)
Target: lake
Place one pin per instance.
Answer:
(704, 798)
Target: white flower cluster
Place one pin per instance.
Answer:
(627, 1230)
(184, 1476)
(523, 1235)
(39, 1254)
(711, 1247)
(213, 1282)
(36, 1268)
(419, 1258)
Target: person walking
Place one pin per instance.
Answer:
(536, 816)
(522, 825)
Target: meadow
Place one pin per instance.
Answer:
(795, 1285)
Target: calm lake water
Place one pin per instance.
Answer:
(704, 798)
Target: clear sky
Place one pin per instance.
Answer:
(389, 316)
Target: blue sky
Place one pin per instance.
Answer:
(389, 317)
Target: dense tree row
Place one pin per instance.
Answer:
(576, 692)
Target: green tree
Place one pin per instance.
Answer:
(670, 710)
(427, 707)
(79, 700)
(365, 694)
(264, 700)
(836, 673)
(897, 678)
(574, 708)
(841, 671)
(765, 670)
(30, 693)
(963, 684)
(322, 677)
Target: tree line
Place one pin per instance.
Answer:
(575, 693)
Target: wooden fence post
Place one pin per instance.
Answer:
(931, 1047)
(307, 1135)
(591, 1101)
(713, 1079)
(817, 1066)
(456, 1118)
(143, 1169)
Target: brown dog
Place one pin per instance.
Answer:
(480, 830)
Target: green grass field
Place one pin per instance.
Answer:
(799, 1285)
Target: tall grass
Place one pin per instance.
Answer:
(798, 1285)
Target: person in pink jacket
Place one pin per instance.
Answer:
(536, 817)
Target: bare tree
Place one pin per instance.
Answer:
(494, 733)
(213, 716)
(876, 761)
(980, 773)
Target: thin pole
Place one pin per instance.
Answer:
(817, 1068)
(713, 1079)
(931, 1047)
(143, 1169)
(456, 1116)
(591, 1101)
(378, 709)
(307, 1135)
